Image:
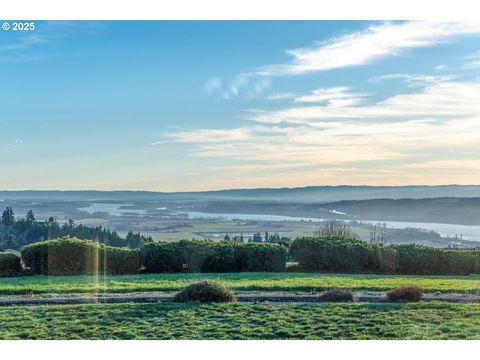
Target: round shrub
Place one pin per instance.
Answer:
(205, 292)
(337, 295)
(405, 293)
(10, 264)
(71, 256)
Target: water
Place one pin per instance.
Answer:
(248, 217)
(111, 209)
(468, 232)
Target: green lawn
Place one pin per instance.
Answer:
(242, 321)
(291, 282)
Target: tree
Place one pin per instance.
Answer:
(335, 229)
(11, 243)
(8, 217)
(226, 238)
(257, 238)
(30, 217)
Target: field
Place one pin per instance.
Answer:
(241, 321)
(432, 320)
(275, 282)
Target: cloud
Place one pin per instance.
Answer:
(212, 85)
(473, 61)
(209, 136)
(18, 142)
(333, 96)
(248, 85)
(406, 138)
(440, 101)
(366, 46)
(466, 165)
(413, 80)
(281, 96)
(24, 42)
(441, 67)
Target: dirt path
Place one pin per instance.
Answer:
(242, 298)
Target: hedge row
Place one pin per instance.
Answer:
(351, 255)
(211, 256)
(71, 256)
(10, 265)
(332, 254)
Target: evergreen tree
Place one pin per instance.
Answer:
(30, 217)
(8, 217)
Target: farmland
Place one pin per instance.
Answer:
(242, 321)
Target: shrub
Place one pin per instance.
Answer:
(205, 291)
(71, 256)
(351, 255)
(162, 257)
(10, 265)
(211, 256)
(116, 261)
(332, 254)
(260, 257)
(424, 260)
(405, 293)
(337, 295)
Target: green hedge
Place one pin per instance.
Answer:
(211, 256)
(351, 255)
(423, 260)
(332, 254)
(71, 256)
(10, 265)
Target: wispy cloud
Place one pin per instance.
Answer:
(441, 67)
(212, 85)
(369, 45)
(333, 96)
(374, 143)
(14, 144)
(24, 42)
(413, 80)
(248, 85)
(439, 101)
(281, 96)
(472, 61)
(30, 47)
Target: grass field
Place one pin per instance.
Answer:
(241, 321)
(291, 282)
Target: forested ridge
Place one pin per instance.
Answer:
(15, 233)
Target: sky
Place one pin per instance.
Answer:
(182, 106)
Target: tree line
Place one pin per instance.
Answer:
(15, 233)
(258, 238)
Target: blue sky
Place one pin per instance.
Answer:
(178, 106)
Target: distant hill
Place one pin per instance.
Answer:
(309, 194)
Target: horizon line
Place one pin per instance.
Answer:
(239, 189)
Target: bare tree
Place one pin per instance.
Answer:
(335, 229)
